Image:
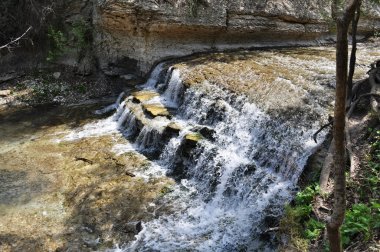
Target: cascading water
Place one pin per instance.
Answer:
(228, 183)
(172, 94)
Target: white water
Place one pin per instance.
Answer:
(173, 92)
(226, 187)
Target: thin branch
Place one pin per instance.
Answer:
(15, 40)
(353, 54)
(331, 121)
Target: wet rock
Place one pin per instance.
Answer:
(171, 130)
(128, 77)
(143, 96)
(156, 110)
(249, 169)
(133, 227)
(207, 132)
(174, 127)
(192, 139)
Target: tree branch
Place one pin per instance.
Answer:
(14, 41)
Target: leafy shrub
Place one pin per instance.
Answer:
(80, 30)
(58, 43)
(313, 229)
(361, 220)
(306, 196)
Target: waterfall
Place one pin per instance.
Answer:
(240, 166)
(172, 94)
(112, 106)
(154, 77)
(148, 139)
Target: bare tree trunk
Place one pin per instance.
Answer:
(353, 54)
(337, 217)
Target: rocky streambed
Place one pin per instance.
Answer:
(202, 158)
(69, 194)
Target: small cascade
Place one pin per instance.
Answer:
(154, 77)
(112, 106)
(174, 90)
(148, 140)
(123, 117)
(234, 163)
(130, 125)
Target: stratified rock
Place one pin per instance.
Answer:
(156, 109)
(143, 32)
(144, 95)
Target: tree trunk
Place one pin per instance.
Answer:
(337, 217)
(339, 208)
(353, 54)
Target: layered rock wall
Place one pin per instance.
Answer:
(137, 33)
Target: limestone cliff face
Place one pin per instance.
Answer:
(134, 34)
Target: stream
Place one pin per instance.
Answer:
(196, 160)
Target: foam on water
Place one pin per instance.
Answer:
(230, 185)
(172, 95)
(99, 128)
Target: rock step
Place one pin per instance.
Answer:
(156, 109)
(152, 108)
(158, 122)
(144, 96)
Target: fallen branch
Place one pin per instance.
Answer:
(326, 168)
(354, 160)
(322, 128)
(14, 41)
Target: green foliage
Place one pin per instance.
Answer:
(298, 221)
(371, 182)
(361, 220)
(80, 31)
(60, 42)
(313, 229)
(57, 43)
(306, 196)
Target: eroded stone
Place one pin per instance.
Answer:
(144, 95)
